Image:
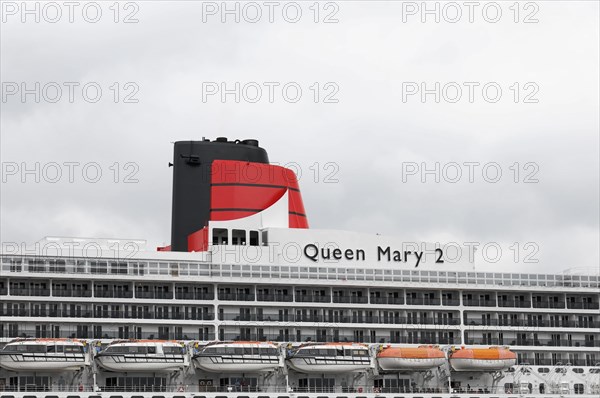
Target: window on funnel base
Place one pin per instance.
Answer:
(238, 237)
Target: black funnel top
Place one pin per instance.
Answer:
(192, 162)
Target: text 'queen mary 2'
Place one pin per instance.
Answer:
(248, 302)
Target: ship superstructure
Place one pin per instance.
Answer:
(248, 301)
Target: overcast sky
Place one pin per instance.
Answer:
(368, 134)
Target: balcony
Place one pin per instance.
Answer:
(112, 294)
(413, 340)
(450, 302)
(422, 301)
(383, 319)
(479, 303)
(514, 303)
(312, 299)
(332, 338)
(288, 298)
(154, 295)
(387, 300)
(71, 293)
(350, 299)
(139, 268)
(236, 296)
(180, 295)
(533, 322)
(105, 334)
(582, 306)
(548, 304)
(483, 341)
(533, 342)
(198, 316)
(30, 292)
(46, 313)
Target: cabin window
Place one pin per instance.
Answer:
(577, 370)
(268, 351)
(265, 238)
(151, 350)
(173, 350)
(35, 348)
(253, 238)
(358, 353)
(219, 236)
(238, 237)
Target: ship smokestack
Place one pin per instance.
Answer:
(192, 161)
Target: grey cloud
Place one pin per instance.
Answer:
(368, 134)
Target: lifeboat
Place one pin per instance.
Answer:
(241, 356)
(43, 355)
(143, 355)
(330, 358)
(410, 358)
(482, 359)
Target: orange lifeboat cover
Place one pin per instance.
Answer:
(411, 352)
(492, 353)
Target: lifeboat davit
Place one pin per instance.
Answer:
(410, 358)
(43, 355)
(482, 359)
(240, 356)
(143, 355)
(330, 358)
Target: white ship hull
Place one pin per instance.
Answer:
(354, 320)
(368, 394)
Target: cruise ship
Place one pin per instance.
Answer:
(249, 302)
